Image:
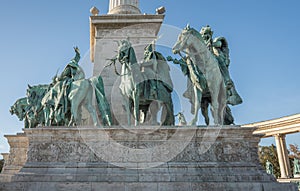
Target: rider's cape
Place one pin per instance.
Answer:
(76, 72)
(221, 52)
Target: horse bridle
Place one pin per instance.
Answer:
(180, 51)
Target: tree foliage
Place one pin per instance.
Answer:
(294, 153)
(269, 153)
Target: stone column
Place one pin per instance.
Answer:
(282, 156)
(286, 157)
(124, 7)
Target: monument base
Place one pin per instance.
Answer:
(16, 159)
(143, 158)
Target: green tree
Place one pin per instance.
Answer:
(269, 153)
(294, 152)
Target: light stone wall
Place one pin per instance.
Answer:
(212, 158)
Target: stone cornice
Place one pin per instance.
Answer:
(118, 21)
(125, 18)
(284, 125)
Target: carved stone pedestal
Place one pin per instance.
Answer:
(16, 158)
(143, 158)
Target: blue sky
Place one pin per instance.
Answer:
(264, 37)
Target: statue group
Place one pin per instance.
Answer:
(206, 63)
(60, 102)
(146, 87)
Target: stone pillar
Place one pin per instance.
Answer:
(17, 156)
(286, 157)
(283, 156)
(124, 7)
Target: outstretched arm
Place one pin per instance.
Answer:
(77, 56)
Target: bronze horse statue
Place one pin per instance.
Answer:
(202, 60)
(139, 90)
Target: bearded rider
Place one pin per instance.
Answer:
(219, 47)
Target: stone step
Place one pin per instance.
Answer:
(6, 177)
(150, 177)
(146, 186)
(211, 159)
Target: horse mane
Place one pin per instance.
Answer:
(40, 90)
(194, 32)
(131, 56)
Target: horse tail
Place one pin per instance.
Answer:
(102, 102)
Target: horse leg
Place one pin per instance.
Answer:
(168, 112)
(204, 109)
(222, 103)
(26, 123)
(198, 97)
(165, 111)
(218, 103)
(74, 113)
(46, 111)
(92, 111)
(228, 118)
(89, 106)
(153, 110)
(136, 107)
(126, 103)
(214, 110)
(80, 115)
(58, 116)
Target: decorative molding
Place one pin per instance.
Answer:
(283, 125)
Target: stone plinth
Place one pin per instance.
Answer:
(105, 31)
(142, 158)
(16, 158)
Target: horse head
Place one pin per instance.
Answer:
(126, 54)
(187, 40)
(13, 110)
(19, 108)
(182, 42)
(123, 45)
